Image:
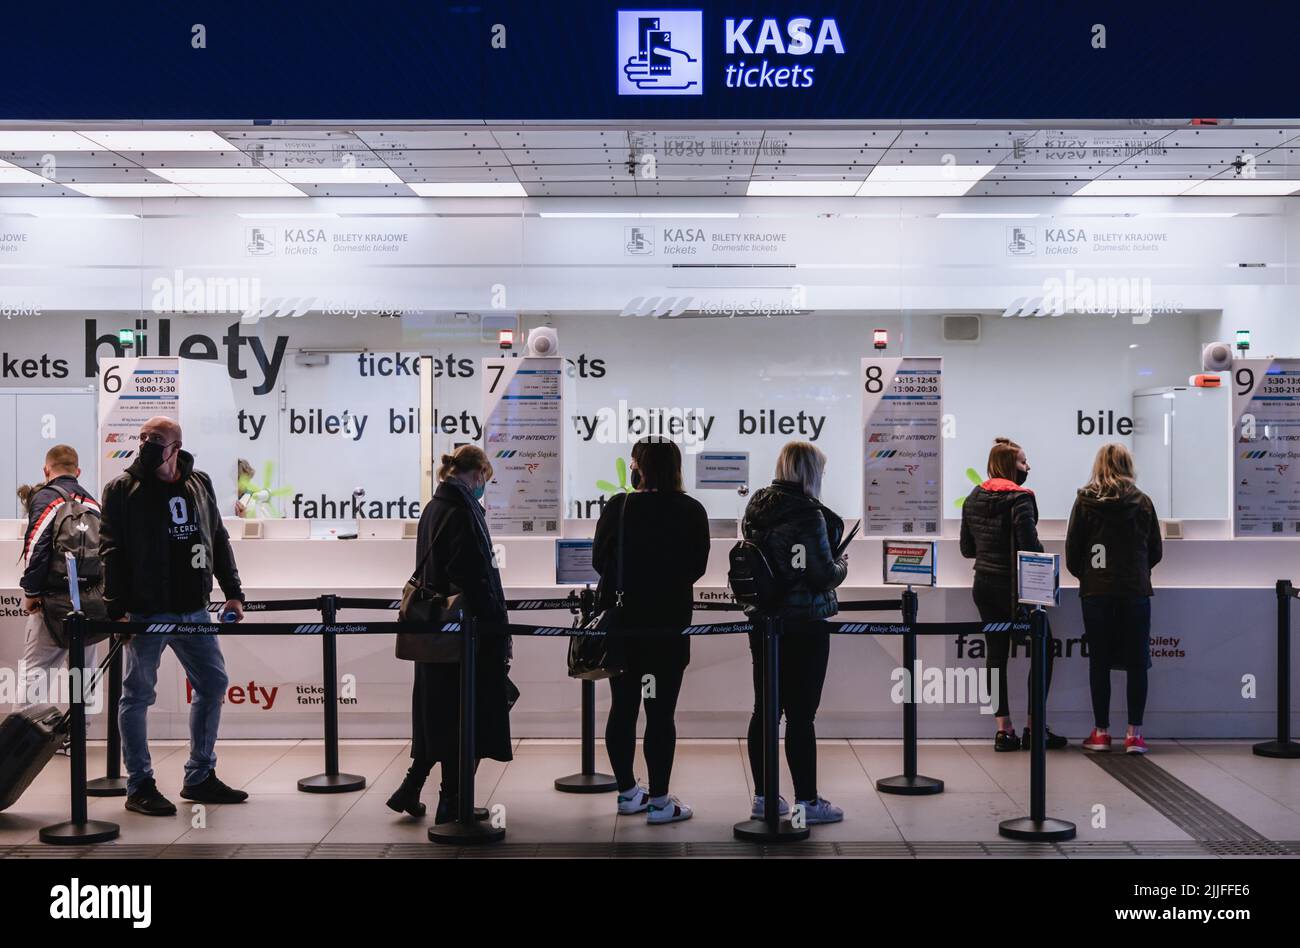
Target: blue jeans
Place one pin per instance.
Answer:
(200, 656)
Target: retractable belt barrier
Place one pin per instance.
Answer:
(465, 828)
(516, 628)
(1283, 746)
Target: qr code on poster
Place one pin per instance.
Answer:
(552, 526)
(527, 526)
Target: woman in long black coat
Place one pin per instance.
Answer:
(453, 531)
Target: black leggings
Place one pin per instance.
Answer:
(994, 598)
(665, 662)
(805, 653)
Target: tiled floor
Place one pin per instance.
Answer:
(982, 788)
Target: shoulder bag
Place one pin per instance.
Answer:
(593, 657)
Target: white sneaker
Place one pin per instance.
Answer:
(674, 811)
(758, 810)
(820, 810)
(636, 800)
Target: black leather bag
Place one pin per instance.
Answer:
(595, 657)
(432, 609)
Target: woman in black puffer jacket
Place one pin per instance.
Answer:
(999, 518)
(798, 536)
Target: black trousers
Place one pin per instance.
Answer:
(805, 653)
(1118, 631)
(653, 678)
(995, 599)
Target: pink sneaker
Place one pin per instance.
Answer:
(1097, 741)
(1135, 745)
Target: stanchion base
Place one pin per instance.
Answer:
(1286, 749)
(106, 787)
(79, 834)
(1037, 831)
(586, 783)
(332, 783)
(456, 833)
(760, 831)
(916, 786)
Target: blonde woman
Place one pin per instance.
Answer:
(1111, 544)
(798, 536)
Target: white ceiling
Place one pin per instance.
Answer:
(709, 159)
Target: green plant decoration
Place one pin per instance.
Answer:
(973, 476)
(622, 486)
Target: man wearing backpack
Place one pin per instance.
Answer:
(162, 543)
(62, 517)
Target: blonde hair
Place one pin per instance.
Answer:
(1003, 457)
(802, 463)
(1112, 472)
(467, 457)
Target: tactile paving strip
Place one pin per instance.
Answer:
(1196, 815)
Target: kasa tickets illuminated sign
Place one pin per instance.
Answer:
(661, 52)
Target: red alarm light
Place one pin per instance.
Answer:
(880, 338)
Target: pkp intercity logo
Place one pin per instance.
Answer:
(660, 52)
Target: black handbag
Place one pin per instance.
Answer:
(594, 657)
(430, 608)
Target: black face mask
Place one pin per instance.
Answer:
(636, 479)
(151, 455)
(1021, 476)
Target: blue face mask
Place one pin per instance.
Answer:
(478, 491)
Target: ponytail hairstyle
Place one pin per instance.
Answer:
(468, 457)
(1112, 472)
(1002, 458)
(25, 492)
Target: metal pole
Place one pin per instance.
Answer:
(909, 782)
(587, 780)
(112, 784)
(331, 781)
(1283, 747)
(79, 829)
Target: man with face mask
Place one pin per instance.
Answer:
(162, 542)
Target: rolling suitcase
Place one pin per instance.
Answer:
(29, 738)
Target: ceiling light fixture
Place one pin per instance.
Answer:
(505, 189)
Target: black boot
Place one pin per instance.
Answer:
(446, 812)
(406, 799)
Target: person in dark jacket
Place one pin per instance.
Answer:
(43, 577)
(1111, 544)
(161, 543)
(454, 544)
(798, 537)
(999, 519)
(665, 549)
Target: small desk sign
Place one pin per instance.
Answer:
(1038, 578)
(909, 562)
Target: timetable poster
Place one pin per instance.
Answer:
(1266, 448)
(131, 391)
(902, 466)
(523, 409)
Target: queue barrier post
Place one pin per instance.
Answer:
(909, 782)
(1283, 747)
(465, 829)
(112, 784)
(79, 829)
(331, 781)
(1037, 826)
(771, 828)
(587, 780)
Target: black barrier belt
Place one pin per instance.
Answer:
(518, 605)
(271, 605)
(504, 628)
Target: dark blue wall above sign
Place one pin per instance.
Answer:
(386, 60)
